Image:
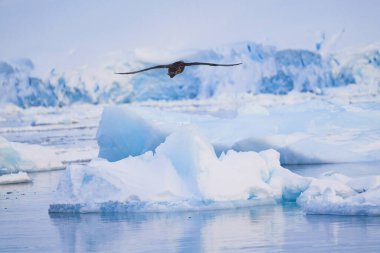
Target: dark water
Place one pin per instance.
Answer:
(26, 226)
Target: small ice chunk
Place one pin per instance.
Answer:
(341, 195)
(15, 178)
(16, 157)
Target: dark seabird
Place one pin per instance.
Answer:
(178, 67)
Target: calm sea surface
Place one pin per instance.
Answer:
(26, 226)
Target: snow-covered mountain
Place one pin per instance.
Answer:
(265, 69)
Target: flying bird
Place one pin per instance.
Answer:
(177, 67)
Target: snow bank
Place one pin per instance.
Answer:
(15, 178)
(183, 174)
(16, 157)
(265, 69)
(341, 195)
(314, 131)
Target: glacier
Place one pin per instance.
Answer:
(265, 70)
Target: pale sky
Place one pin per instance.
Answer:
(66, 34)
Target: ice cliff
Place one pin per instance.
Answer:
(265, 69)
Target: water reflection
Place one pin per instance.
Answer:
(175, 232)
(258, 229)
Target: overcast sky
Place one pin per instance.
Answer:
(56, 33)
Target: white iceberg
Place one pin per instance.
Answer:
(341, 195)
(163, 160)
(183, 174)
(314, 131)
(15, 178)
(16, 157)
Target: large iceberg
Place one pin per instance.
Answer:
(183, 174)
(210, 154)
(310, 131)
(265, 70)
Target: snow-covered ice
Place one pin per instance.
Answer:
(309, 131)
(265, 70)
(15, 178)
(69, 132)
(16, 157)
(183, 173)
(341, 195)
(211, 138)
(219, 153)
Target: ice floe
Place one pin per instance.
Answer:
(15, 178)
(16, 157)
(341, 195)
(310, 131)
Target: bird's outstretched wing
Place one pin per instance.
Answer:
(142, 70)
(210, 64)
